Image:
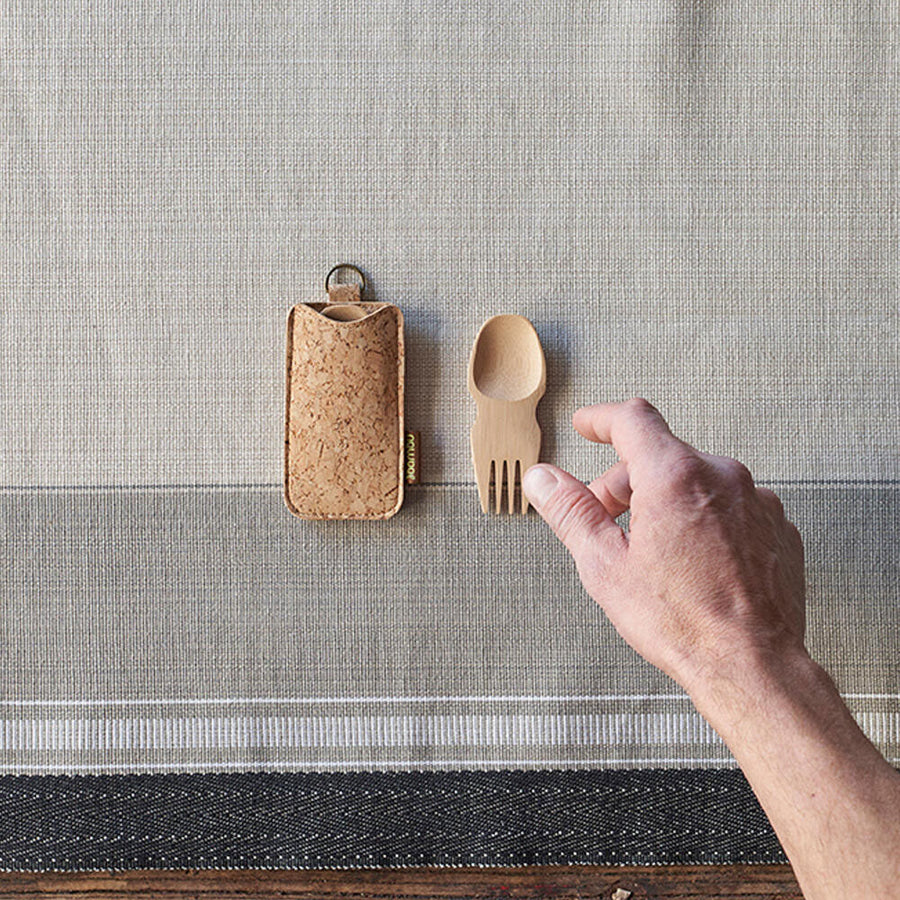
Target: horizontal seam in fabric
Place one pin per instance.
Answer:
(251, 486)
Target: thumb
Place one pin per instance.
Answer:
(575, 514)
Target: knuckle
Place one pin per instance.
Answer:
(738, 473)
(772, 500)
(794, 534)
(684, 473)
(795, 542)
(731, 476)
(639, 405)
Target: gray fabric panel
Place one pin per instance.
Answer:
(208, 628)
(694, 203)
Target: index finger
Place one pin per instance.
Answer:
(635, 428)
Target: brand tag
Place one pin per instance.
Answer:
(413, 456)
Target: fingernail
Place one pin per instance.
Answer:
(539, 483)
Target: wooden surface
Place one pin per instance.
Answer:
(546, 883)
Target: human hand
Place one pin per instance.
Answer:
(709, 577)
(708, 585)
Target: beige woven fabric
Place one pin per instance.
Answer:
(692, 202)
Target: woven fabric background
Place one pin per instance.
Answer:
(694, 202)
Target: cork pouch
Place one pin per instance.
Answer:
(344, 447)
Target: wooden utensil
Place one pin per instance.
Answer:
(507, 377)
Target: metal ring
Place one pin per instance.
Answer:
(362, 277)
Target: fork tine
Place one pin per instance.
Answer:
(517, 472)
(525, 464)
(498, 484)
(510, 485)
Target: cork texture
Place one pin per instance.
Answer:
(344, 417)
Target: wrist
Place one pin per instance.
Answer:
(759, 683)
(829, 794)
(782, 713)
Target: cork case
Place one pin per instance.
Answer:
(344, 448)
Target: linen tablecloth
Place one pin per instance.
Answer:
(696, 202)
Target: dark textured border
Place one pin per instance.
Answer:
(382, 819)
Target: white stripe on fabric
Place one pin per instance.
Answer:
(326, 732)
(311, 732)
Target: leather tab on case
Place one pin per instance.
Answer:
(344, 293)
(344, 435)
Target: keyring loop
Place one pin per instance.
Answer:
(362, 277)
